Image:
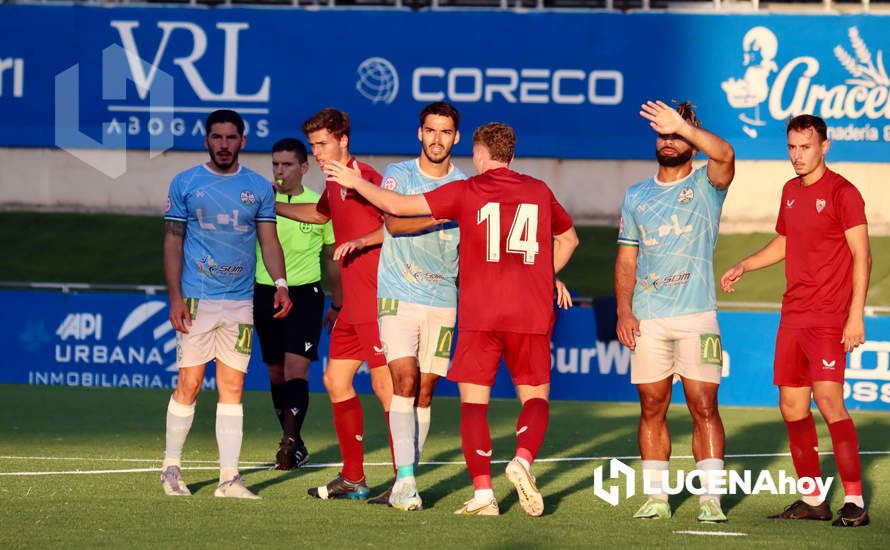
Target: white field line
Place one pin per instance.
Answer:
(712, 533)
(248, 465)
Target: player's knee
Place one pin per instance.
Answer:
(654, 405)
(187, 388)
(382, 387)
(704, 409)
(334, 385)
(831, 407)
(793, 410)
(424, 399)
(404, 385)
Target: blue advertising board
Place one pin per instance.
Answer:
(125, 340)
(571, 83)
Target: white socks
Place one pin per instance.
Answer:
(229, 433)
(179, 422)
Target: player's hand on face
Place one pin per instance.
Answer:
(731, 277)
(330, 318)
(348, 248)
(563, 296)
(662, 118)
(282, 301)
(854, 333)
(628, 329)
(179, 316)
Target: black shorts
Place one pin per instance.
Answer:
(297, 333)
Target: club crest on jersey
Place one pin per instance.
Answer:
(389, 183)
(820, 205)
(686, 195)
(247, 197)
(343, 193)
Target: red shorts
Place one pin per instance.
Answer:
(357, 341)
(807, 355)
(478, 356)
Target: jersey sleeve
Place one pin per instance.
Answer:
(715, 195)
(322, 206)
(628, 232)
(176, 209)
(560, 221)
(266, 210)
(851, 211)
(327, 233)
(445, 202)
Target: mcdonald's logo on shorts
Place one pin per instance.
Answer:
(245, 339)
(387, 306)
(191, 304)
(711, 349)
(443, 345)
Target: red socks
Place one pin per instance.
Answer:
(349, 425)
(846, 454)
(804, 447)
(476, 443)
(531, 427)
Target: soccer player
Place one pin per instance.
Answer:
(514, 237)
(358, 228)
(667, 306)
(215, 214)
(290, 344)
(823, 238)
(417, 295)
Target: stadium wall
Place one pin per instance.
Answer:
(591, 190)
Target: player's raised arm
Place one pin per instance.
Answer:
(384, 199)
(669, 121)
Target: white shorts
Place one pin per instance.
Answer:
(221, 329)
(688, 346)
(414, 330)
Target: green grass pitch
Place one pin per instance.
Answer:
(80, 433)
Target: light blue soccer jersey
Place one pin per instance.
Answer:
(419, 268)
(675, 227)
(220, 213)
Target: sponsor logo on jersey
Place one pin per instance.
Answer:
(247, 197)
(168, 206)
(820, 205)
(789, 203)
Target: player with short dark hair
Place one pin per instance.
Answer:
(417, 295)
(289, 345)
(216, 213)
(358, 227)
(514, 237)
(667, 305)
(823, 238)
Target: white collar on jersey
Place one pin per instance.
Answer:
(672, 183)
(215, 173)
(419, 169)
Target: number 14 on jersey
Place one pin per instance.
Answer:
(522, 236)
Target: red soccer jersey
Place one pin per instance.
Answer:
(818, 261)
(507, 222)
(353, 216)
